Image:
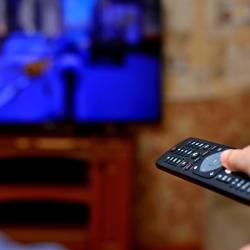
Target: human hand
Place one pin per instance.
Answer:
(237, 160)
(245, 247)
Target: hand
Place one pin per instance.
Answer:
(246, 248)
(237, 160)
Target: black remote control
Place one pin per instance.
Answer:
(198, 161)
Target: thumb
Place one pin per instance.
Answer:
(246, 247)
(236, 160)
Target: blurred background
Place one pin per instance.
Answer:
(92, 92)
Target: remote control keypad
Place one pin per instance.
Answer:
(200, 160)
(211, 163)
(210, 166)
(195, 152)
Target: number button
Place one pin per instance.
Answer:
(183, 164)
(205, 153)
(213, 148)
(206, 146)
(245, 186)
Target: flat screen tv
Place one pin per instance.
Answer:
(80, 62)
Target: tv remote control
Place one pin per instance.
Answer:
(198, 161)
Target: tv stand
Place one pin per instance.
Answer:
(104, 189)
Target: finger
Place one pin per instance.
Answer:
(236, 160)
(245, 248)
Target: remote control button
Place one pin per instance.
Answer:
(213, 148)
(178, 151)
(201, 145)
(189, 152)
(212, 174)
(219, 149)
(206, 175)
(210, 167)
(188, 166)
(245, 186)
(182, 152)
(239, 184)
(195, 167)
(171, 159)
(219, 177)
(194, 155)
(178, 162)
(167, 159)
(227, 171)
(173, 149)
(175, 160)
(197, 159)
(205, 153)
(206, 146)
(248, 191)
(186, 152)
(183, 164)
(234, 182)
(224, 178)
(211, 163)
(229, 179)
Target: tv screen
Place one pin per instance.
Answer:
(94, 61)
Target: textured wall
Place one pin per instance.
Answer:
(206, 94)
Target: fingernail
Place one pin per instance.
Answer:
(224, 156)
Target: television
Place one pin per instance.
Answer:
(80, 62)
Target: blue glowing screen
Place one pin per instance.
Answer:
(82, 61)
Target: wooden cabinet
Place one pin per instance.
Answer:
(106, 192)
